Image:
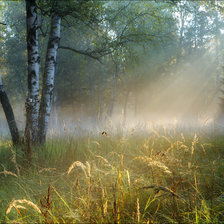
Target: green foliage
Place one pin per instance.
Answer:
(141, 42)
(14, 46)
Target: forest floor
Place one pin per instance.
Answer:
(163, 177)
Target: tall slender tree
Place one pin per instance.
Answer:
(48, 77)
(9, 114)
(32, 101)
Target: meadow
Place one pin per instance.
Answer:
(165, 176)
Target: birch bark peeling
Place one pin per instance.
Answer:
(48, 77)
(32, 102)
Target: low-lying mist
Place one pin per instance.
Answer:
(185, 96)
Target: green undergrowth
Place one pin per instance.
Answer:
(162, 177)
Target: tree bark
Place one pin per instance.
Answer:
(32, 101)
(9, 114)
(48, 77)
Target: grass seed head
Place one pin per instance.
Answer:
(46, 170)
(88, 169)
(154, 163)
(14, 203)
(128, 177)
(105, 161)
(77, 164)
(5, 172)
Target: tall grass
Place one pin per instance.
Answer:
(162, 177)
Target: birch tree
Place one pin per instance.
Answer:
(75, 14)
(48, 77)
(32, 101)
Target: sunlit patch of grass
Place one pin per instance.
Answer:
(158, 178)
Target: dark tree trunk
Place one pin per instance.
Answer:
(125, 107)
(9, 114)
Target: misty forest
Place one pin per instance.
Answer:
(112, 111)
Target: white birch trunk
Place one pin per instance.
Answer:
(32, 102)
(48, 78)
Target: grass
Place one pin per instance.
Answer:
(162, 177)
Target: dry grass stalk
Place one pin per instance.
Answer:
(156, 132)
(20, 206)
(88, 169)
(167, 139)
(105, 161)
(77, 164)
(5, 172)
(182, 146)
(138, 210)
(105, 208)
(146, 146)
(129, 183)
(128, 177)
(203, 148)
(115, 155)
(14, 221)
(104, 204)
(182, 136)
(97, 143)
(46, 170)
(155, 163)
(13, 159)
(173, 145)
(160, 165)
(15, 203)
(195, 140)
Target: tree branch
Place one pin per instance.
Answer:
(89, 54)
(110, 48)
